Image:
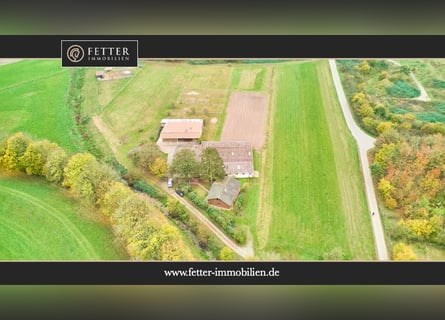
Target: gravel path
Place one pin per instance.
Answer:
(365, 143)
(423, 94)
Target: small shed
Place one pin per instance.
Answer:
(99, 75)
(223, 194)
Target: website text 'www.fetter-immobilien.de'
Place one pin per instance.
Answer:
(215, 272)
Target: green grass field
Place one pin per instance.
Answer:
(38, 222)
(313, 203)
(33, 96)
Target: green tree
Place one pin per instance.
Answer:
(184, 165)
(114, 197)
(365, 110)
(36, 155)
(145, 155)
(212, 166)
(203, 236)
(159, 167)
(359, 98)
(55, 162)
(177, 210)
(226, 254)
(401, 251)
(75, 166)
(15, 148)
(85, 176)
(33, 160)
(364, 67)
(385, 188)
(383, 75)
(405, 70)
(93, 181)
(163, 245)
(384, 126)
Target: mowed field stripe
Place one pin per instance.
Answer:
(15, 232)
(349, 174)
(302, 187)
(70, 227)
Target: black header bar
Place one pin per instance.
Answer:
(232, 47)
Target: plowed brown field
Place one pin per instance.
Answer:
(246, 118)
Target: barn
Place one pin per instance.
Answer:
(236, 155)
(181, 130)
(223, 194)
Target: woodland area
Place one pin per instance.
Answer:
(408, 161)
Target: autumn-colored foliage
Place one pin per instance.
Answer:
(402, 251)
(96, 184)
(411, 179)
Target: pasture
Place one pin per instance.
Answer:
(33, 96)
(312, 203)
(38, 222)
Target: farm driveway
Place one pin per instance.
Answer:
(245, 252)
(365, 143)
(109, 136)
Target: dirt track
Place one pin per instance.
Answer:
(246, 118)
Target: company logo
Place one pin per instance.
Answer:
(99, 53)
(75, 53)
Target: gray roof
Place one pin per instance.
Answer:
(226, 191)
(236, 155)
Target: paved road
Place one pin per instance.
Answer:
(365, 143)
(245, 252)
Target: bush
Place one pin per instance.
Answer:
(396, 110)
(178, 211)
(440, 107)
(436, 83)
(149, 190)
(402, 89)
(348, 65)
(431, 117)
(117, 165)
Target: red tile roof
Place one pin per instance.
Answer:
(182, 130)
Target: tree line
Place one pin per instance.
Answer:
(184, 166)
(146, 237)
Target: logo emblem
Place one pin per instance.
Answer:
(75, 53)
